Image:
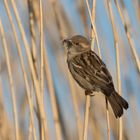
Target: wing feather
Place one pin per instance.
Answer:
(90, 67)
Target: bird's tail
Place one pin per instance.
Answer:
(117, 103)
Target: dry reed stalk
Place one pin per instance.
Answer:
(108, 120)
(87, 108)
(135, 118)
(8, 63)
(93, 16)
(29, 57)
(5, 125)
(86, 119)
(42, 49)
(94, 35)
(52, 97)
(59, 26)
(96, 131)
(82, 11)
(42, 59)
(75, 104)
(117, 62)
(30, 130)
(119, 88)
(72, 87)
(129, 36)
(57, 19)
(94, 31)
(137, 6)
(132, 44)
(30, 102)
(32, 20)
(127, 26)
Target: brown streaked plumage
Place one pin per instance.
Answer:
(91, 73)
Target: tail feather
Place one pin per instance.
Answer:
(117, 103)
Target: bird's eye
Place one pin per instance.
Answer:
(77, 43)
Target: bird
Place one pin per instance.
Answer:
(91, 73)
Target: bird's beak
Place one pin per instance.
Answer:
(66, 42)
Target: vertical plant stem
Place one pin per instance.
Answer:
(108, 122)
(128, 33)
(23, 70)
(60, 28)
(131, 42)
(117, 62)
(35, 80)
(30, 129)
(132, 45)
(32, 20)
(94, 33)
(72, 88)
(42, 61)
(119, 88)
(11, 81)
(85, 130)
(53, 98)
(82, 11)
(76, 110)
(42, 48)
(92, 19)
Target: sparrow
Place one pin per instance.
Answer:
(91, 73)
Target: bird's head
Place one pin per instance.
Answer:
(76, 44)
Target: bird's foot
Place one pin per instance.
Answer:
(89, 93)
(92, 94)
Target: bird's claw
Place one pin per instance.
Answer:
(89, 93)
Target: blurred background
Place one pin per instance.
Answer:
(38, 97)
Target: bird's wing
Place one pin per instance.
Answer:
(89, 66)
